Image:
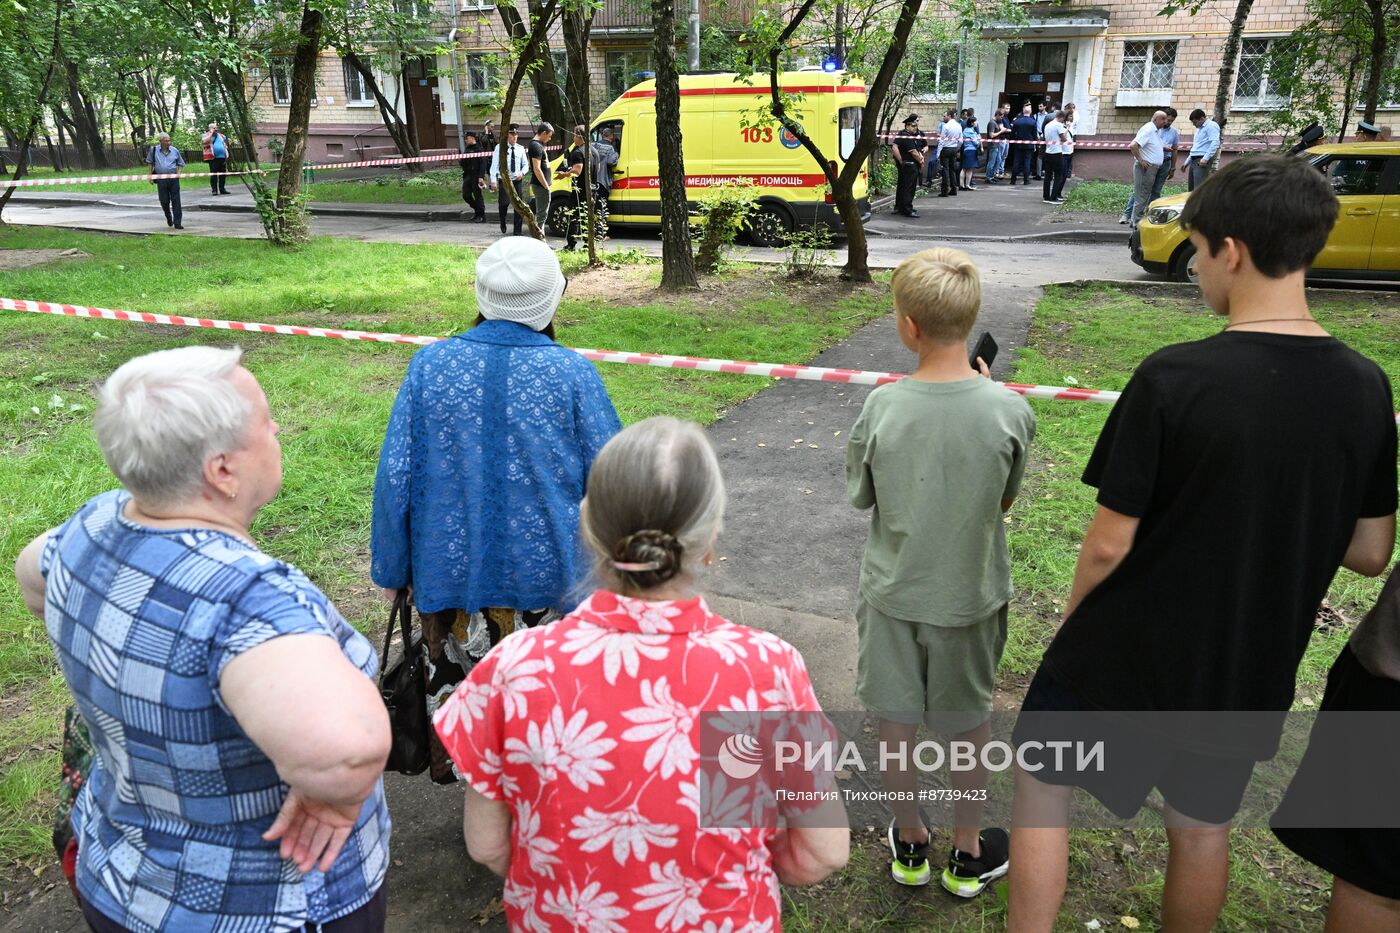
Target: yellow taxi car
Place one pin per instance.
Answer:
(1364, 244)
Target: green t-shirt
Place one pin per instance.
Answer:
(936, 459)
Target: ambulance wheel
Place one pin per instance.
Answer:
(558, 222)
(770, 225)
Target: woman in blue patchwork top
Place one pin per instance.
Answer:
(483, 467)
(239, 734)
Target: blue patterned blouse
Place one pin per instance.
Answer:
(482, 471)
(170, 821)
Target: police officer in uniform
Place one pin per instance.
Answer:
(908, 151)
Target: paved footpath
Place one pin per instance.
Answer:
(791, 543)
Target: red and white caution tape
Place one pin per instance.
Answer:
(699, 364)
(37, 182)
(328, 166)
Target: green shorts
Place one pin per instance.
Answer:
(907, 670)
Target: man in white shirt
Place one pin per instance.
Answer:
(517, 164)
(950, 136)
(1148, 155)
(1056, 137)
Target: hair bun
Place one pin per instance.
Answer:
(648, 557)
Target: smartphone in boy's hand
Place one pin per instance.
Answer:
(986, 350)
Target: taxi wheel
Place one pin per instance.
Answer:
(1184, 265)
(770, 225)
(558, 221)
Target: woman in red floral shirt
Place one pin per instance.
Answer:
(580, 740)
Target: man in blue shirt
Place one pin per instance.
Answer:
(1204, 145)
(1169, 138)
(215, 146)
(165, 159)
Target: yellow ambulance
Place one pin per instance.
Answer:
(718, 113)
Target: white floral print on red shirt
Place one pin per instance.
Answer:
(589, 729)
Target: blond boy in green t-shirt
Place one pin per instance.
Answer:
(939, 456)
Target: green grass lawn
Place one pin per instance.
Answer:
(1104, 197)
(439, 186)
(332, 399)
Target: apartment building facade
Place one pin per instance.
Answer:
(1118, 61)
(447, 91)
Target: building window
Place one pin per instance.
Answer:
(1148, 65)
(623, 68)
(356, 87)
(481, 76)
(1255, 86)
(560, 60)
(281, 74)
(1355, 174)
(936, 75)
(1038, 58)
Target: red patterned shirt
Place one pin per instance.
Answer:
(589, 729)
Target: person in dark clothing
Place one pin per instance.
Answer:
(1023, 134)
(1217, 533)
(908, 151)
(574, 167)
(473, 171)
(1312, 135)
(539, 173)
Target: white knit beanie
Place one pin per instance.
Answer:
(518, 279)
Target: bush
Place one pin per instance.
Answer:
(886, 175)
(723, 210)
(807, 249)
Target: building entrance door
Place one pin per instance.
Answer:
(1035, 72)
(422, 93)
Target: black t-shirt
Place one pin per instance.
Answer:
(536, 151)
(1248, 458)
(909, 141)
(574, 157)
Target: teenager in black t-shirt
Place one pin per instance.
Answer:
(1235, 475)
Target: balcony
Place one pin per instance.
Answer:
(633, 17)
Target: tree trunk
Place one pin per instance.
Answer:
(1375, 82)
(533, 43)
(578, 25)
(1348, 96)
(407, 143)
(290, 213)
(677, 262)
(1225, 86)
(542, 79)
(22, 162)
(842, 186)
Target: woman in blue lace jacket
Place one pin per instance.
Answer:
(483, 467)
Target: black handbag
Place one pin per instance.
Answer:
(405, 692)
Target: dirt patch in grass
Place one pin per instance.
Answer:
(11, 259)
(638, 284)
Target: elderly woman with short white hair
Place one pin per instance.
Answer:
(239, 736)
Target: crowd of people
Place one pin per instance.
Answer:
(1042, 139)
(527, 170)
(556, 562)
